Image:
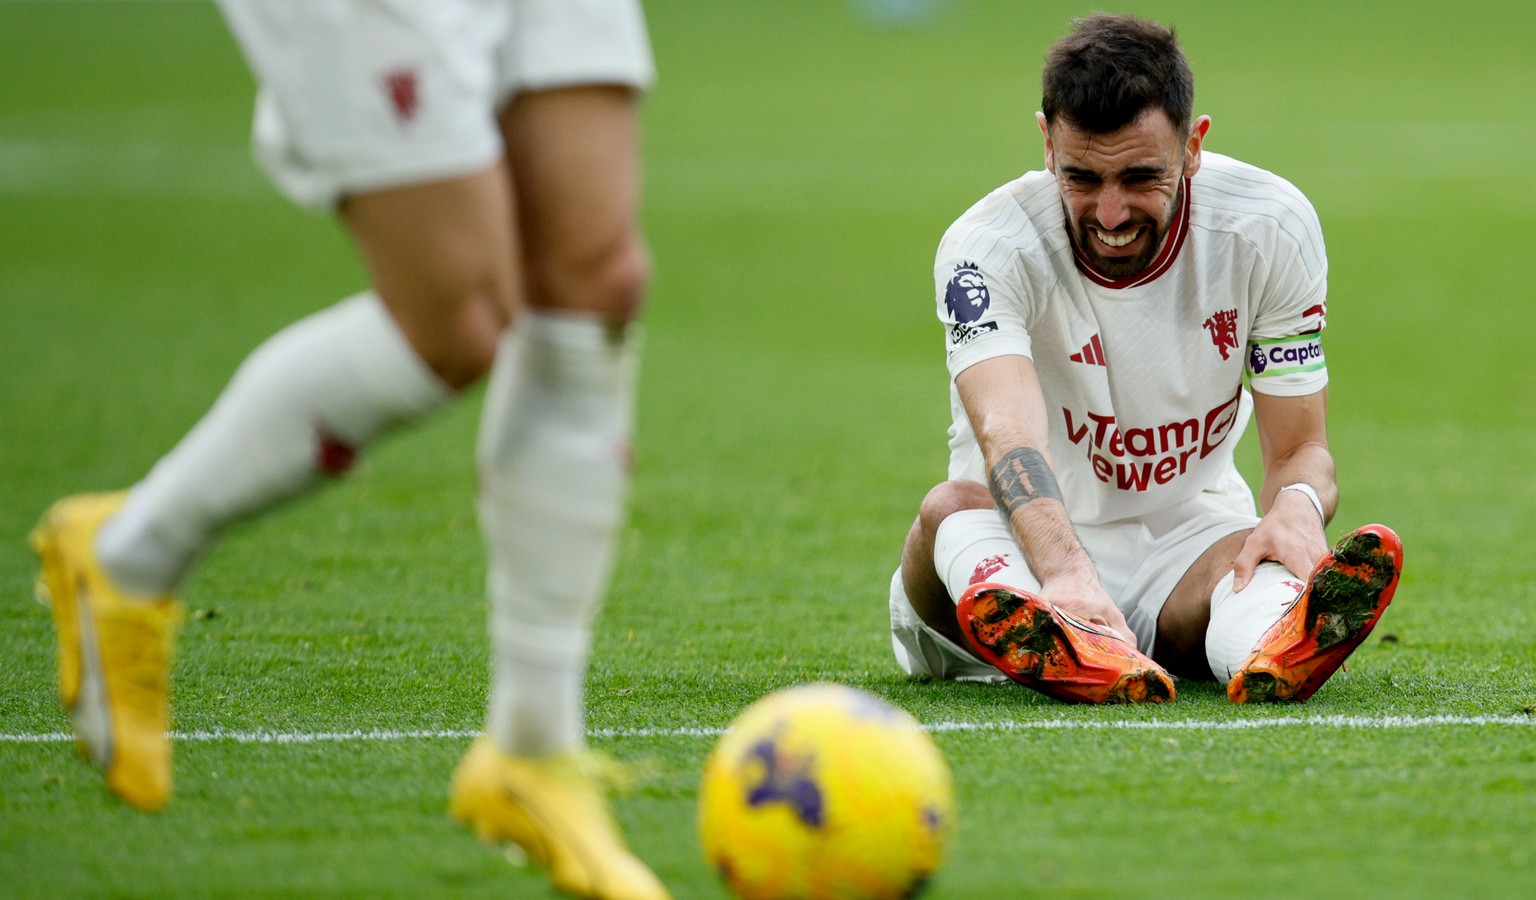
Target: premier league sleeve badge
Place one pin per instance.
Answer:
(966, 301)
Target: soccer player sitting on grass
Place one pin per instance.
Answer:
(484, 159)
(1102, 316)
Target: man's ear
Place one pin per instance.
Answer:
(1050, 155)
(1192, 146)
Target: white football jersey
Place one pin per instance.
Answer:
(1143, 377)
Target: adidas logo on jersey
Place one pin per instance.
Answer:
(1091, 354)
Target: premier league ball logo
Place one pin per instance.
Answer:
(966, 297)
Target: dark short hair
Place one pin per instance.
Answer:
(1110, 69)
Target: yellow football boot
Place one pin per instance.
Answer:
(114, 653)
(552, 809)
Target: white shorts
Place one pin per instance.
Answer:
(1139, 562)
(359, 95)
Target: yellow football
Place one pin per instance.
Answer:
(825, 792)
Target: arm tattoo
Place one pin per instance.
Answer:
(1020, 477)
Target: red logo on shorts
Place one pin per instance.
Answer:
(989, 567)
(403, 96)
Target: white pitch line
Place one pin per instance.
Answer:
(1382, 723)
(1358, 722)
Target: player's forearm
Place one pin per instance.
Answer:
(1311, 464)
(1025, 490)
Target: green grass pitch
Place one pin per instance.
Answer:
(802, 164)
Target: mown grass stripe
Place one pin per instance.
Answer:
(1357, 722)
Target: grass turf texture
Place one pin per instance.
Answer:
(802, 165)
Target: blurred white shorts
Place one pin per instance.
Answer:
(1140, 562)
(360, 95)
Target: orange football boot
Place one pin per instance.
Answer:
(1346, 595)
(1036, 644)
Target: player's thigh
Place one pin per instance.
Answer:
(442, 255)
(1186, 615)
(574, 155)
(572, 73)
(386, 113)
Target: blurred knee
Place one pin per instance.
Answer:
(456, 340)
(477, 331)
(610, 281)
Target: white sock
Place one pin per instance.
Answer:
(554, 472)
(1239, 620)
(974, 545)
(299, 407)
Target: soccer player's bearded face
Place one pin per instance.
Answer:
(1121, 190)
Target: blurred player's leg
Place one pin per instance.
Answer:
(317, 393)
(299, 409)
(555, 440)
(554, 457)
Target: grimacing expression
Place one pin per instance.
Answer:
(1121, 190)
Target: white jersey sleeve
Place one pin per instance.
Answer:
(1284, 351)
(981, 312)
(985, 294)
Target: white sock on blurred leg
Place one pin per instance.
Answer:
(299, 408)
(554, 472)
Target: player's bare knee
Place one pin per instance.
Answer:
(457, 343)
(624, 281)
(611, 282)
(949, 497)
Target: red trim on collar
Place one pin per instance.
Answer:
(1176, 234)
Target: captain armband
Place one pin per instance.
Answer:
(1285, 356)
